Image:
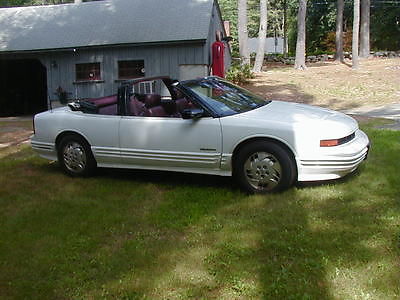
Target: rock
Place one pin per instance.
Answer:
(270, 58)
(311, 58)
(289, 61)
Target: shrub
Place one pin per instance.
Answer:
(239, 73)
(329, 41)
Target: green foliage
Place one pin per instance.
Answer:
(274, 19)
(321, 19)
(385, 26)
(13, 3)
(321, 22)
(328, 43)
(292, 26)
(239, 74)
(229, 13)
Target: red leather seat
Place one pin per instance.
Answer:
(136, 107)
(154, 107)
(106, 105)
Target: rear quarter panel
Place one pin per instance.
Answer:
(98, 130)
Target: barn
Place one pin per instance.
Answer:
(52, 54)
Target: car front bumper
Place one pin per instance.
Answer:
(335, 162)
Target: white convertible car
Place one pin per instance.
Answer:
(207, 126)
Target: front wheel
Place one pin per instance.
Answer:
(262, 167)
(75, 156)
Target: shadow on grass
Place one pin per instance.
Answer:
(343, 180)
(156, 235)
(169, 179)
(269, 236)
(329, 64)
(334, 239)
(89, 237)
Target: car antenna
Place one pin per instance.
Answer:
(49, 103)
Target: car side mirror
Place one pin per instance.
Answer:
(192, 113)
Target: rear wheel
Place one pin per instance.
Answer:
(75, 156)
(262, 167)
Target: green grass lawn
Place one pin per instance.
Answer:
(156, 235)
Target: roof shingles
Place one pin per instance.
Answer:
(100, 23)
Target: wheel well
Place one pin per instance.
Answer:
(270, 140)
(66, 133)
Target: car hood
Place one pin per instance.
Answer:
(324, 122)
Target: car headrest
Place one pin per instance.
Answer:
(152, 100)
(178, 93)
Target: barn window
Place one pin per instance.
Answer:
(88, 71)
(128, 69)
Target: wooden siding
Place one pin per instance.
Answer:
(158, 60)
(162, 59)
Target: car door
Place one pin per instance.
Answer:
(171, 143)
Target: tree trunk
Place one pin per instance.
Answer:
(339, 31)
(356, 27)
(300, 61)
(261, 37)
(364, 28)
(242, 32)
(285, 48)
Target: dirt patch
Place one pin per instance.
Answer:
(333, 85)
(14, 137)
(362, 119)
(14, 132)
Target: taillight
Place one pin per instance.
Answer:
(33, 124)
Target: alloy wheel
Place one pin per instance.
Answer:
(263, 171)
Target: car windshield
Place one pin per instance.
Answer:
(223, 97)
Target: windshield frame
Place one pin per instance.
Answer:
(185, 85)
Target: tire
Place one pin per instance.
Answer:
(75, 156)
(263, 167)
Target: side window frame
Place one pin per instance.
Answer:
(93, 70)
(137, 68)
